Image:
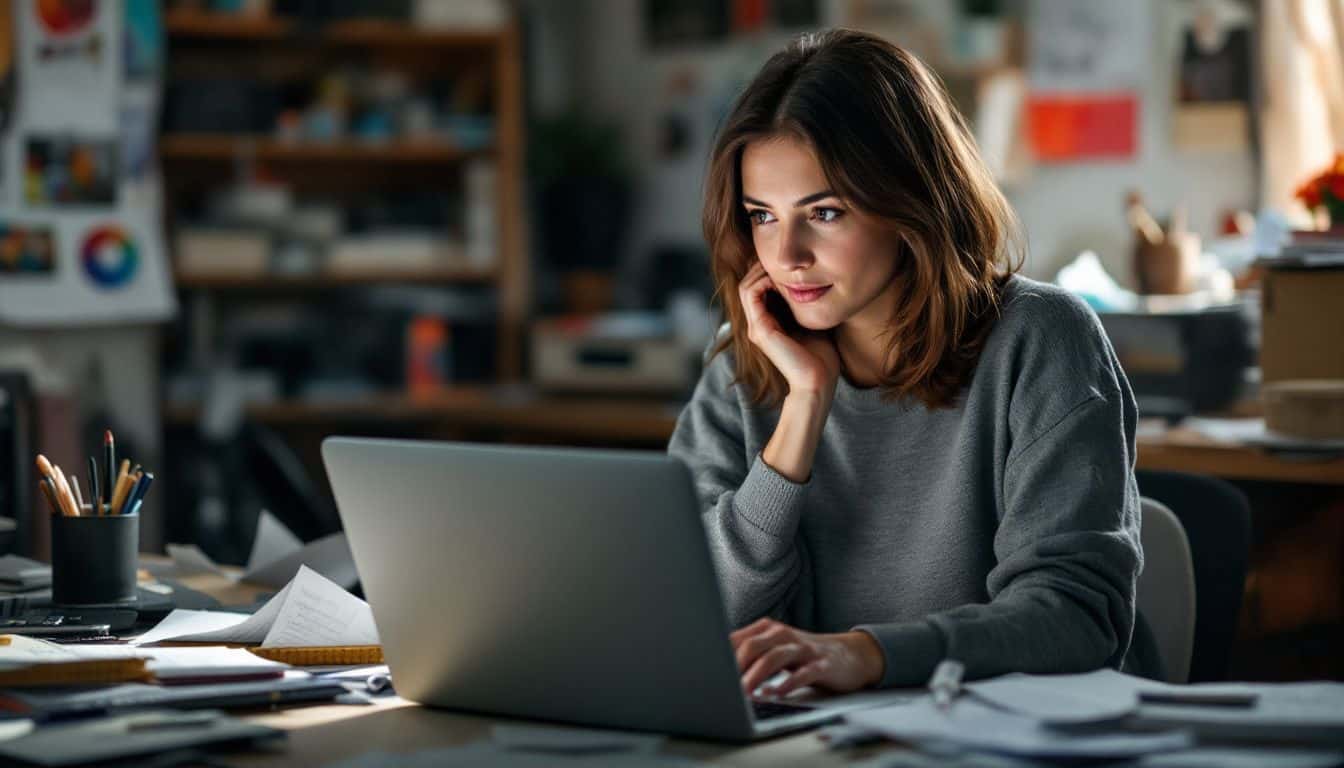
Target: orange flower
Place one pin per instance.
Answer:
(1338, 167)
(1310, 194)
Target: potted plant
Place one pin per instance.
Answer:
(1324, 192)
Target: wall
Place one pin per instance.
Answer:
(1065, 208)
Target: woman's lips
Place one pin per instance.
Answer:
(806, 295)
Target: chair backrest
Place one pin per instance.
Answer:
(1216, 517)
(1166, 589)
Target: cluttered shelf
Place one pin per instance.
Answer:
(625, 420)
(317, 282)
(228, 147)
(203, 25)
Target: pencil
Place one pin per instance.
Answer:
(95, 491)
(122, 487)
(110, 463)
(79, 495)
(45, 485)
(62, 490)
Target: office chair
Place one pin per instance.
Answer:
(1216, 517)
(1166, 589)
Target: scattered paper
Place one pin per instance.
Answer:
(329, 556)
(1097, 696)
(276, 556)
(272, 542)
(189, 558)
(181, 623)
(187, 664)
(1300, 713)
(310, 611)
(972, 725)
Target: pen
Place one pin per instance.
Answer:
(945, 684)
(47, 490)
(110, 461)
(95, 491)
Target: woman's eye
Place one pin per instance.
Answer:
(759, 216)
(826, 215)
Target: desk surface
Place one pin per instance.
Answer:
(324, 733)
(321, 734)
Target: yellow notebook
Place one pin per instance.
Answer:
(323, 655)
(28, 661)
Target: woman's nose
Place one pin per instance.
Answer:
(794, 251)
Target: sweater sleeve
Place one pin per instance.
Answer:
(1067, 546)
(750, 512)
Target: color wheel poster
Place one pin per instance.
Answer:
(80, 240)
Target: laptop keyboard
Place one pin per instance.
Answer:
(765, 710)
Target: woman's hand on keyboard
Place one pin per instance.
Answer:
(841, 662)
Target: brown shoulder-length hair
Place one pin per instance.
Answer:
(891, 144)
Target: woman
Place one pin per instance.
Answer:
(905, 452)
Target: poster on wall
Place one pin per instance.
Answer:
(68, 171)
(1084, 77)
(80, 217)
(27, 249)
(70, 64)
(104, 269)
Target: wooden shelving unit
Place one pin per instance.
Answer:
(226, 148)
(198, 160)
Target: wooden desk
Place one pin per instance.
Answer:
(1183, 450)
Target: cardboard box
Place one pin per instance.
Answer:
(1302, 331)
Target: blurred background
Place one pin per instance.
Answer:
(231, 228)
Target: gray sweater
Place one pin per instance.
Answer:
(1003, 533)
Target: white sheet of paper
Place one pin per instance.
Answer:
(329, 556)
(969, 723)
(1092, 697)
(182, 622)
(189, 558)
(170, 663)
(317, 611)
(1306, 713)
(310, 610)
(272, 542)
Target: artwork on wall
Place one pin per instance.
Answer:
(80, 221)
(27, 249)
(1084, 79)
(69, 171)
(670, 23)
(1213, 76)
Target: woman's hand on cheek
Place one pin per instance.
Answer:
(840, 662)
(809, 363)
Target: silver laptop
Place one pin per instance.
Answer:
(559, 584)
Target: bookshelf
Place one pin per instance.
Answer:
(285, 50)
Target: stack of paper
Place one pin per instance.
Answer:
(33, 661)
(310, 611)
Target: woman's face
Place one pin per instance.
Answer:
(830, 262)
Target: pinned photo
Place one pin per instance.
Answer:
(26, 249)
(67, 171)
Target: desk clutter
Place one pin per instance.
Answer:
(166, 685)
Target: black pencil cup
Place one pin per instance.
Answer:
(94, 559)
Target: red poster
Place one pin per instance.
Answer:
(1065, 127)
